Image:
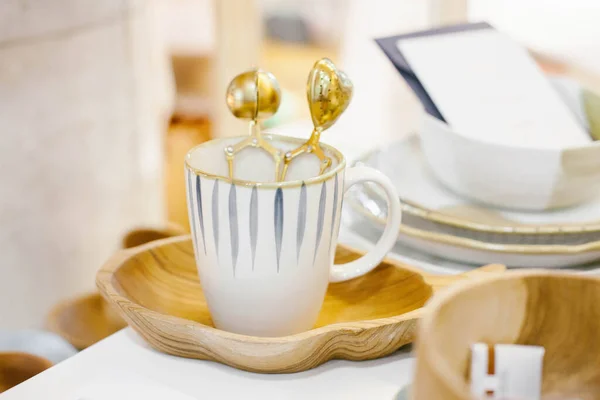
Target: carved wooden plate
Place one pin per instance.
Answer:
(157, 290)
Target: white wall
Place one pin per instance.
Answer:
(83, 107)
(568, 29)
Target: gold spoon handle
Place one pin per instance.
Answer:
(254, 139)
(253, 95)
(310, 146)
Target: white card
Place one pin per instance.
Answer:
(488, 87)
(517, 371)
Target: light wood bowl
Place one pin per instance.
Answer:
(143, 235)
(157, 290)
(558, 311)
(17, 367)
(87, 319)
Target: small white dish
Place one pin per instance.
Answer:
(404, 163)
(525, 178)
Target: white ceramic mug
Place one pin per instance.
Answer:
(265, 249)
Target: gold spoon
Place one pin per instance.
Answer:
(253, 95)
(328, 92)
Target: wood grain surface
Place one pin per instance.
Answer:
(157, 290)
(555, 310)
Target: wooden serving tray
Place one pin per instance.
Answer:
(157, 290)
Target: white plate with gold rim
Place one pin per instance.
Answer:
(360, 233)
(569, 237)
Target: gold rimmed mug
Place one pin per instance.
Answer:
(265, 249)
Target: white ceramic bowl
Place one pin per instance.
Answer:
(515, 177)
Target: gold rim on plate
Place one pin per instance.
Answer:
(472, 244)
(426, 213)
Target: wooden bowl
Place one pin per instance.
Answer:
(558, 311)
(16, 367)
(87, 319)
(84, 320)
(157, 290)
(142, 235)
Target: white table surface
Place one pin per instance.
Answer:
(124, 357)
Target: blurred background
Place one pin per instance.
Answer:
(100, 100)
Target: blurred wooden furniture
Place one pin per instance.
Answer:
(222, 39)
(291, 63)
(183, 134)
(238, 27)
(16, 368)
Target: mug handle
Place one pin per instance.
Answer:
(356, 268)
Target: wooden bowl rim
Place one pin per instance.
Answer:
(170, 230)
(53, 324)
(438, 364)
(30, 358)
(43, 360)
(53, 320)
(113, 294)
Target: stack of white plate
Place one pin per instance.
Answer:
(442, 228)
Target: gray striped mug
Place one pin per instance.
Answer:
(265, 249)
